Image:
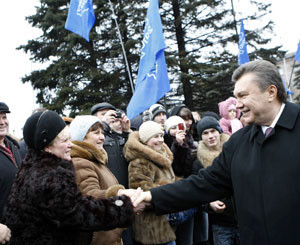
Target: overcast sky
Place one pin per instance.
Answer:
(15, 64)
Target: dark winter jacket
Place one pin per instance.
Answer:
(262, 172)
(46, 207)
(113, 145)
(183, 161)
(205, 157)
(8, 170)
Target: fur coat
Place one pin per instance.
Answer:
(95, 179)
(46, 207)
(148, 169)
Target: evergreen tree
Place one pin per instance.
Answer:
(206, 36)
(201, 40)
(78, 73)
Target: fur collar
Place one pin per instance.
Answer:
(134, 149)
(206, 155)
(87, 151)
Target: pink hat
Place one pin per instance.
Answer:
(232, 107)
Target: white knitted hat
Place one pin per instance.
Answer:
(81, 125)
(173, 121)
(148, 130)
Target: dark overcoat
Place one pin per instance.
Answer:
(46, 207)
(8, 170)
(262, 172)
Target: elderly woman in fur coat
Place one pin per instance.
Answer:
(221, 212)
(150, 166)
(45, 205)
(92, 175)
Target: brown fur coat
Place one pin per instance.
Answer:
(148, 169)
(95, 179)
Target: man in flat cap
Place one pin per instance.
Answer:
(10, 159)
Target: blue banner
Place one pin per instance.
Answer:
(243, 54)
(81, 17)
(289, 92)
(297, 56)
(152, 81)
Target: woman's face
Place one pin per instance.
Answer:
(61, 145)
(156, 142)
(188, 123)
(95, 138)
(173, 131)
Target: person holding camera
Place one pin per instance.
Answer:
(116, 131)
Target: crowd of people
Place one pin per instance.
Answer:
(163, 178)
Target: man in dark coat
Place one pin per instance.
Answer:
(261, 168)
(10, 159)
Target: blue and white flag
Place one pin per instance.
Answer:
(243, 54)
(152, 81)
(297, 56)
(81, 17)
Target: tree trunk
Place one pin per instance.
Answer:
(184, 69)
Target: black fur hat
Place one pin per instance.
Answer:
(41, 128)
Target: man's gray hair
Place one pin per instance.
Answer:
(266, 74)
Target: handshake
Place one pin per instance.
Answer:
(140, 199)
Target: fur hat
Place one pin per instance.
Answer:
(155, 109)
(207, 122)
(173, 121)
(80, 126)
(101, 106)
(232, 107)
(148, 130)
(41, 128)
(4, 108)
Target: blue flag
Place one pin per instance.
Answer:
(297, 56)
(243, 54)
(289, 92)
(81, 17)
(152, 81)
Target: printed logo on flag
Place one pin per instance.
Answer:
(82, 8)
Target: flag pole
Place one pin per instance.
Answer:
(234, 19)
(122, 45)
(286, 79)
